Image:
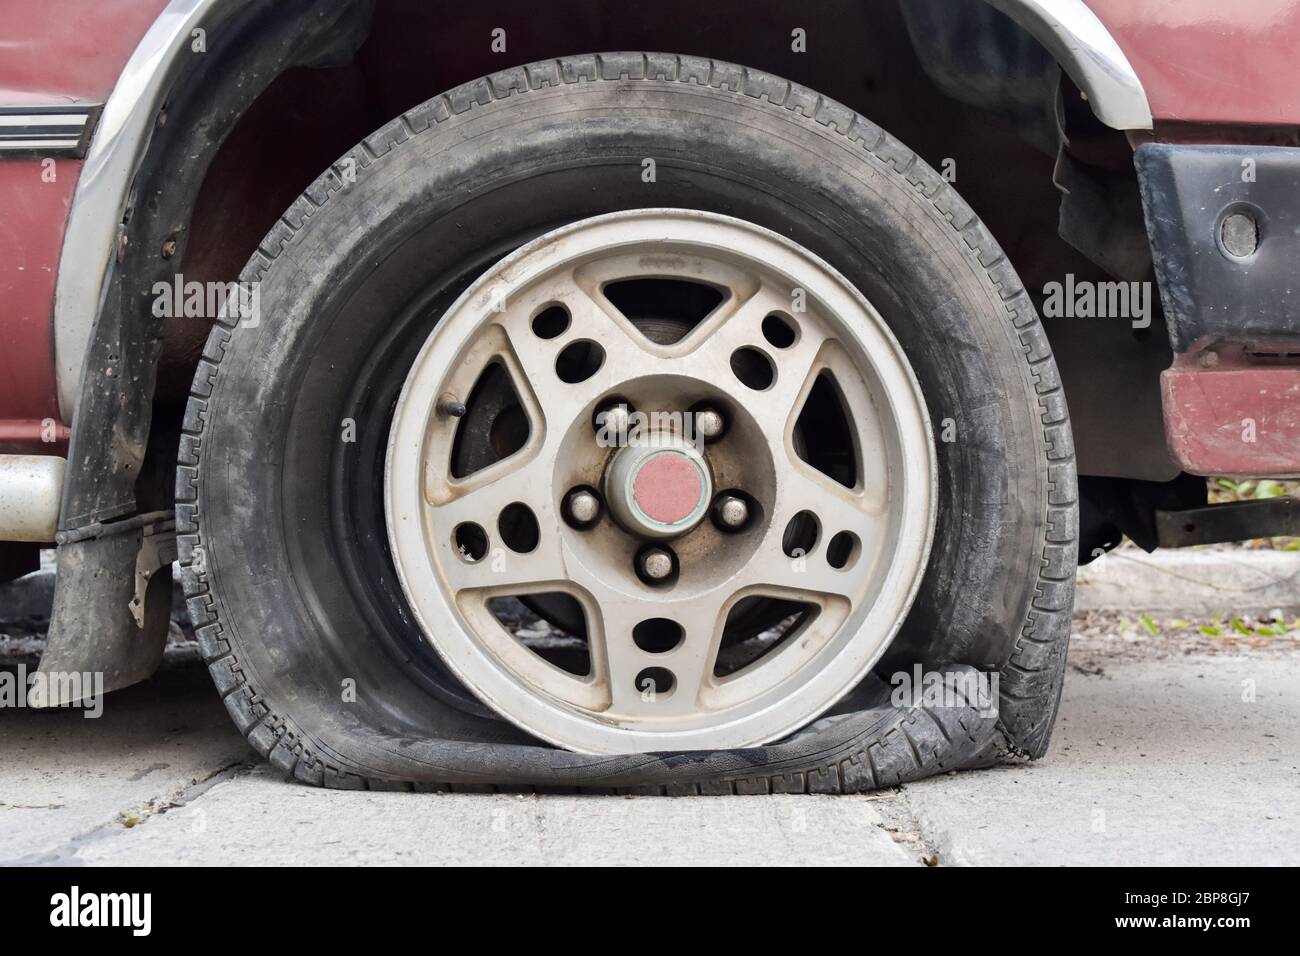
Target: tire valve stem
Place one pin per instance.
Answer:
(450, 406)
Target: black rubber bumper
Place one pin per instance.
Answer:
(1224, 223)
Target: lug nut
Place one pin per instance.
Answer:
(656, 564)
(730, 512)
(709, 423)
(582, 507)
(613, 421)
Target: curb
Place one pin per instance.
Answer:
(1192, 582)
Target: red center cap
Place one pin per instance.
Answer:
(667, 488)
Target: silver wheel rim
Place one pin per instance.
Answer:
(850, 613)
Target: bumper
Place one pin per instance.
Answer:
(1224, 224)
(1234, 418)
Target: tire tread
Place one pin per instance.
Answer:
(911, 746)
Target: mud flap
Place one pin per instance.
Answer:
(112, 608)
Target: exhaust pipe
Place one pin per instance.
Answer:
(31, 487)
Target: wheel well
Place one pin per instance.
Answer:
(283, 90)
(990, 119)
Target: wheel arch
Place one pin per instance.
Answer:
(1085, 50)
(125, 148)
(129, 229)
(146, 177)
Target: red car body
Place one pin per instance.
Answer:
(52, 53)
(1211, 63)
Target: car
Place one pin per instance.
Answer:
(664, 397)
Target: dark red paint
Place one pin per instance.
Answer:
(71, 51)
(1212, 61)
(1232, 419)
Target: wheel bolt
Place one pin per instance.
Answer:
(656, 564)
(613, 421)
(709, 423)
(582, 507)
(730, 512)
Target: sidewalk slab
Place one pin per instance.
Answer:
(259, 819)
(1155, 764)
(63, 776)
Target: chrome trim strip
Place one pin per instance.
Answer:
(36, 145)
(103, 188)
(1089, 54)
(45, 129)
(42, 119)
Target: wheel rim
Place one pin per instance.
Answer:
(846, 543)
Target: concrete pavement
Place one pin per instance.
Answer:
(1159, 758)
(1157, 763)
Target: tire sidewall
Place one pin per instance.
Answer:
(372, 263)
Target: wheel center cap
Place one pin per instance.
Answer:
(667, 488)
(659, 488)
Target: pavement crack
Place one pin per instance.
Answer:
(68, 853)
(904, 826)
